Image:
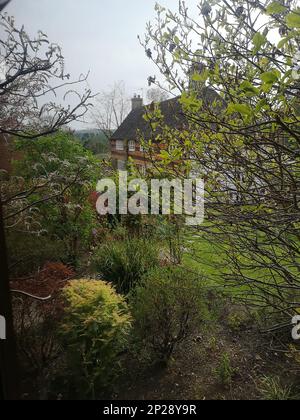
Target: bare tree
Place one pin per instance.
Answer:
(157, 95)
(33, 70)
(112, 107)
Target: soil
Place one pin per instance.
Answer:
(191, 375)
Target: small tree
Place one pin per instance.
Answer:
(168, 308)
(235, 67)
(61, 175)
(32, 71)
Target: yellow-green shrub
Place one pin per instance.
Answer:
(94, 331)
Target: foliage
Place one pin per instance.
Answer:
(94, 140)
(36, 337)
(33, 69)
(239, 91)
(168, 307)
(239, 320)
(27, 252)
(170, 230)
(294, 355)
(58, 177)
(95, 329)
(36, 321)
(124, 263)
(225, 372)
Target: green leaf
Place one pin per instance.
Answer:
(200, 77)
(241, 108)
(249, 89)
(293, 20)
(282, 43)
(258, 41)
(275, 8)
(262, 104)
(176, 40)
(270, 77)
(196, 77)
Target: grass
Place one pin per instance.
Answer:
(210, 261)
(271, 389)
(206, 259)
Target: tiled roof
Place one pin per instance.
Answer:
(171, 110)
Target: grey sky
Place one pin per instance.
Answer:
(95, 35)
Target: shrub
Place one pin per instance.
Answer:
(36, 321)
(239, 320)
(28, 252)
(68, 216)
(95, 329)
(168, 307)
(124, 263)
(225, 372)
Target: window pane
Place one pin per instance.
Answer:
(131, 145)
(119, 145)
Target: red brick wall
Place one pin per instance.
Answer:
(137, 156)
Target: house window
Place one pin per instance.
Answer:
(119, 145)
(131, 146)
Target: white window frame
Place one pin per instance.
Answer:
(120, 145)
(131, 146)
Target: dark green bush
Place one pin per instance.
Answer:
(168, 307)
(94, 332)
(124, 263)
(28, 252)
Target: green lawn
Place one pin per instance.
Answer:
(209, 261)
(204, 258)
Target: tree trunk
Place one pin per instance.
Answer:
(8, 360)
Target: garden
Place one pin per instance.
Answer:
(145, 307)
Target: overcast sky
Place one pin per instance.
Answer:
(95, 35)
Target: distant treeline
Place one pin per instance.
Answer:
(94, 140)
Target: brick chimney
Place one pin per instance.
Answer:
(137, 102)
